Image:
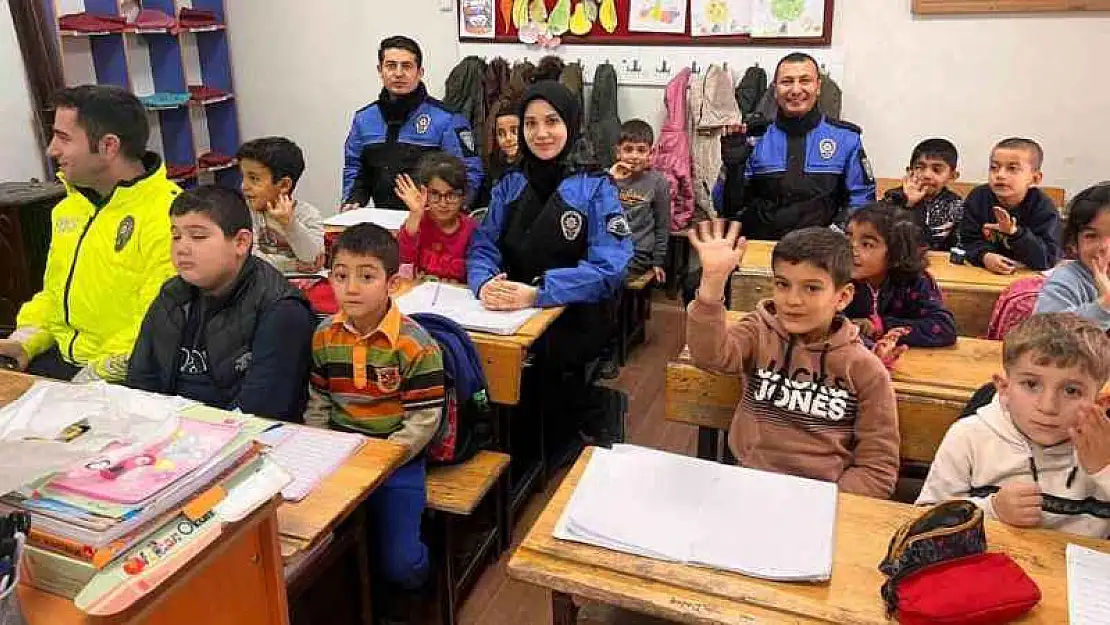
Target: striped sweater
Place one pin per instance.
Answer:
(388, 383)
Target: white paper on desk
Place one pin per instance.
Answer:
(384, 217)
(459, 304)
(31, 428)
(670, 507)
(1088, 586)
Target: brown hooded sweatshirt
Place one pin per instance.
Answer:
(822, 410)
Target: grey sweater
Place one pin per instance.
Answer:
(1071, 288)
(647, 205)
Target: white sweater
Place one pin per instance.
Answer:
(985, 451)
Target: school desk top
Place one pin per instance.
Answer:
(691, 594)
(503, 356)
(757, 261)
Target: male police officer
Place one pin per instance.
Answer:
(390, 135)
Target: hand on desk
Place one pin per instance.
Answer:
(500, 293)
(14, 351)
(997, 263)
(1018, 504)
(887, 348)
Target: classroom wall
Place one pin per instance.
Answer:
(19, 149)
(302, 71)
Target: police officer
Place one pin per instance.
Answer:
(389, 136)
(803, 169)
(555, 235)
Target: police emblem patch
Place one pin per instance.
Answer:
(124, 231)
(571, 223)
(617, 225)
(827, 148)
(467, 139)
(423, 123)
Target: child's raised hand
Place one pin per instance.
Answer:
(720, 250)
(414, 197)
(914, 192)
(1006, 224)
(997, 263)
(659, 274)
(1018, 504)
(620, 171)
(282, 209)
(1091, 435)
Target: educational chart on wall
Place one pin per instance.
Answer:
(477, 19)
(711, 18)
(788, 18)
(657, 16)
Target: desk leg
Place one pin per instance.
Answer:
(362, 553)
(707, 443)
(563, 610)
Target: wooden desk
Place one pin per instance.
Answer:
(503, 356)
(238, 580)
(969, 292)
(703, 596)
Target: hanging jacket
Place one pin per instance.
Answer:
(672, 152)
(713, 107)
(377, 150)
(576, 250)
(521, 76)
(985, 451)
(824, 410)
(829, 100)
(751, 89)
(1036, 244)
(768, 104)
(495, 84)
(465, 93)
(603, 125)
(572, 79)
(917, 305)
(108, 259)
(793, 173)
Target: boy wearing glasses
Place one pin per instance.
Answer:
(436, 234)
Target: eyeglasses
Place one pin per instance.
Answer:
(435, 197)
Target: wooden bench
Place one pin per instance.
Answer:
(633, 313)
(1056, 194)
(454, 493)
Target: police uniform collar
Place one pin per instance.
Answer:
(152, 163)
(399, 109)
(795, 126)
(389, 327)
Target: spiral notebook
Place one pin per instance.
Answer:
(459, 304)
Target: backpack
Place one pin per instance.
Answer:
(466, 425)
(1014, 305)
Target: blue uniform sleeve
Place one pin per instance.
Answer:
(352, 159)
(459, 140)
(601, 273)
(483, 256)
(858, 179)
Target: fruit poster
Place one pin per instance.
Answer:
(721, 17)
(657, 16)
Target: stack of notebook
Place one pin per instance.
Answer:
(669, 507)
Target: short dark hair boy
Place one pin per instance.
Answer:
(924, 191)
(229, 330)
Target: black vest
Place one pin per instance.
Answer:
(542, 235)
(228, 332)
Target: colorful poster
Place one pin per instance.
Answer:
(788, 18)
(720, 17)
(657, 16)
(477, 18)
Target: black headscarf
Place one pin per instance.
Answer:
(544, 176)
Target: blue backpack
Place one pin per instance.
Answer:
(467, 422)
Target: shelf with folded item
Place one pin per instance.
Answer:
(201, 95)
(212, 162)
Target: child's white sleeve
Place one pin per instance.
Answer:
(306, 232)
(950, 473)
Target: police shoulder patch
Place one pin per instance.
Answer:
(466, 141)
(617, 225)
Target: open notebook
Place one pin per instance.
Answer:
(670, 507)
(459, 304)
(386, 218)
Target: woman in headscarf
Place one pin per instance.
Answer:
(556, 235)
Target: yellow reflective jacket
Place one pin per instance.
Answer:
(105, 266)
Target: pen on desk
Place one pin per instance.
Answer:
(435, 297)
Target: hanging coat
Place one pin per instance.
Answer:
(830, 98)
(521, 76)
(603, 125)
(713, 107)
(496, 82)
(571, 78)
(672, 152)
(465, 94)
(751, 89)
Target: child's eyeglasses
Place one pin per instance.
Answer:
(435, 197)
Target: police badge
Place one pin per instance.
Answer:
(423, 123)
(124, 231)
(571, 222)
(827, 148)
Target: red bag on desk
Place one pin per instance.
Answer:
(939, 572)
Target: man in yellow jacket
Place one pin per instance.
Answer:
(110, 241)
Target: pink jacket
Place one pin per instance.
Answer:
(672, 152)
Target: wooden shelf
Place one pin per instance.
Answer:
(956, 7)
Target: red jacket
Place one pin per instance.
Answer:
(435, 253)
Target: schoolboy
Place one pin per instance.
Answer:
(229, 330)
(1037, 455)
(378, 373)
(288, 232)
(645, 196)
(817, 403)
(924, 191)
(1009, 222)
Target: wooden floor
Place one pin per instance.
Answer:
(497, 600)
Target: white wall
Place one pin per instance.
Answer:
(302, 71)
(20, 157)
